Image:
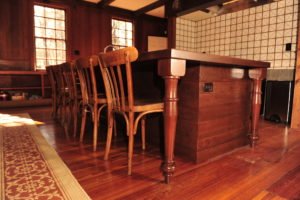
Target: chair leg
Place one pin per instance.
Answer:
(130, 142)
(59, 110)
(75, 111)
(54, 114)
(65, 121)
(83, 121)
(110, 124)
(95, 129)
(68, 116)
(115, 128)
(143, 127)
(63, 111)
(130, 152)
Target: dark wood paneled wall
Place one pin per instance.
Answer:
(147, 25)
(89, 30)
(15, 34)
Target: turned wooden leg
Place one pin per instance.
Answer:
(170, 70)
(257, 75)
(256, 104)
(170, 121)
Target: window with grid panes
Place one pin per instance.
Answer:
(122, 33)
(50, 36)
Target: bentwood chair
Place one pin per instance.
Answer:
(92, 100)
(53, 85)
(120, 96)
(61, 90)
(72, 102)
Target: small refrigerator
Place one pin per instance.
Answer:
(278, 96)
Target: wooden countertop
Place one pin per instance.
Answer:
(202, 58)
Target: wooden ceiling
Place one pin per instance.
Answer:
(166, 8)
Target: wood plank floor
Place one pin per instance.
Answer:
(270, 171)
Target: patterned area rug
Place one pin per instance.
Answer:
(29, 167)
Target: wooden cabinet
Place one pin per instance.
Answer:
(214, 111)
(34, 83)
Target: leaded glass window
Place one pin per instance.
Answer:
(122, 33)
(50, 36)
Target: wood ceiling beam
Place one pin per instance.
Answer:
(241, 5)
(149, 7)
(188, 6)
(105, 3)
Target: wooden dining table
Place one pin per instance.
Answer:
(171, 66)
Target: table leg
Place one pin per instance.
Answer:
(170, 121)
(256, 104)
(170, 70)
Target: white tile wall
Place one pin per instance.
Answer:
(259, 33)
(186, 34)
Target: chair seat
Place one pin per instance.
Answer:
(101, 95)
(142, 105)
(101, 99)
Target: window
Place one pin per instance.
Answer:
(50, 36)
(122, 32)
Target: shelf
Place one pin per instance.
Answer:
(32, 82)
(23, 72)
(21, 88)
(24, 103)
(24, 88)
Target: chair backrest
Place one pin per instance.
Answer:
(52, 80)
(119, 92)
(69, 79)
(82, 69)
(89, 83)
(93, 63)
(57, 72)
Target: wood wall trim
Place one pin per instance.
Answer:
(295, 121)
(105, 3)
(171, 32)
(14, 63)
(22, 72)
(149, 7)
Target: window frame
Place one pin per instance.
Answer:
(67, 28)
(125, 20)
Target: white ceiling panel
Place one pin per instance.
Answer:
(196, 16)
(158, 12)
(131, 5)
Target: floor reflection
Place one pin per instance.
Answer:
(7, 120)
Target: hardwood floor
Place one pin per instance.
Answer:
(270, 171)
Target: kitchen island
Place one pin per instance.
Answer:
(218, 105)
